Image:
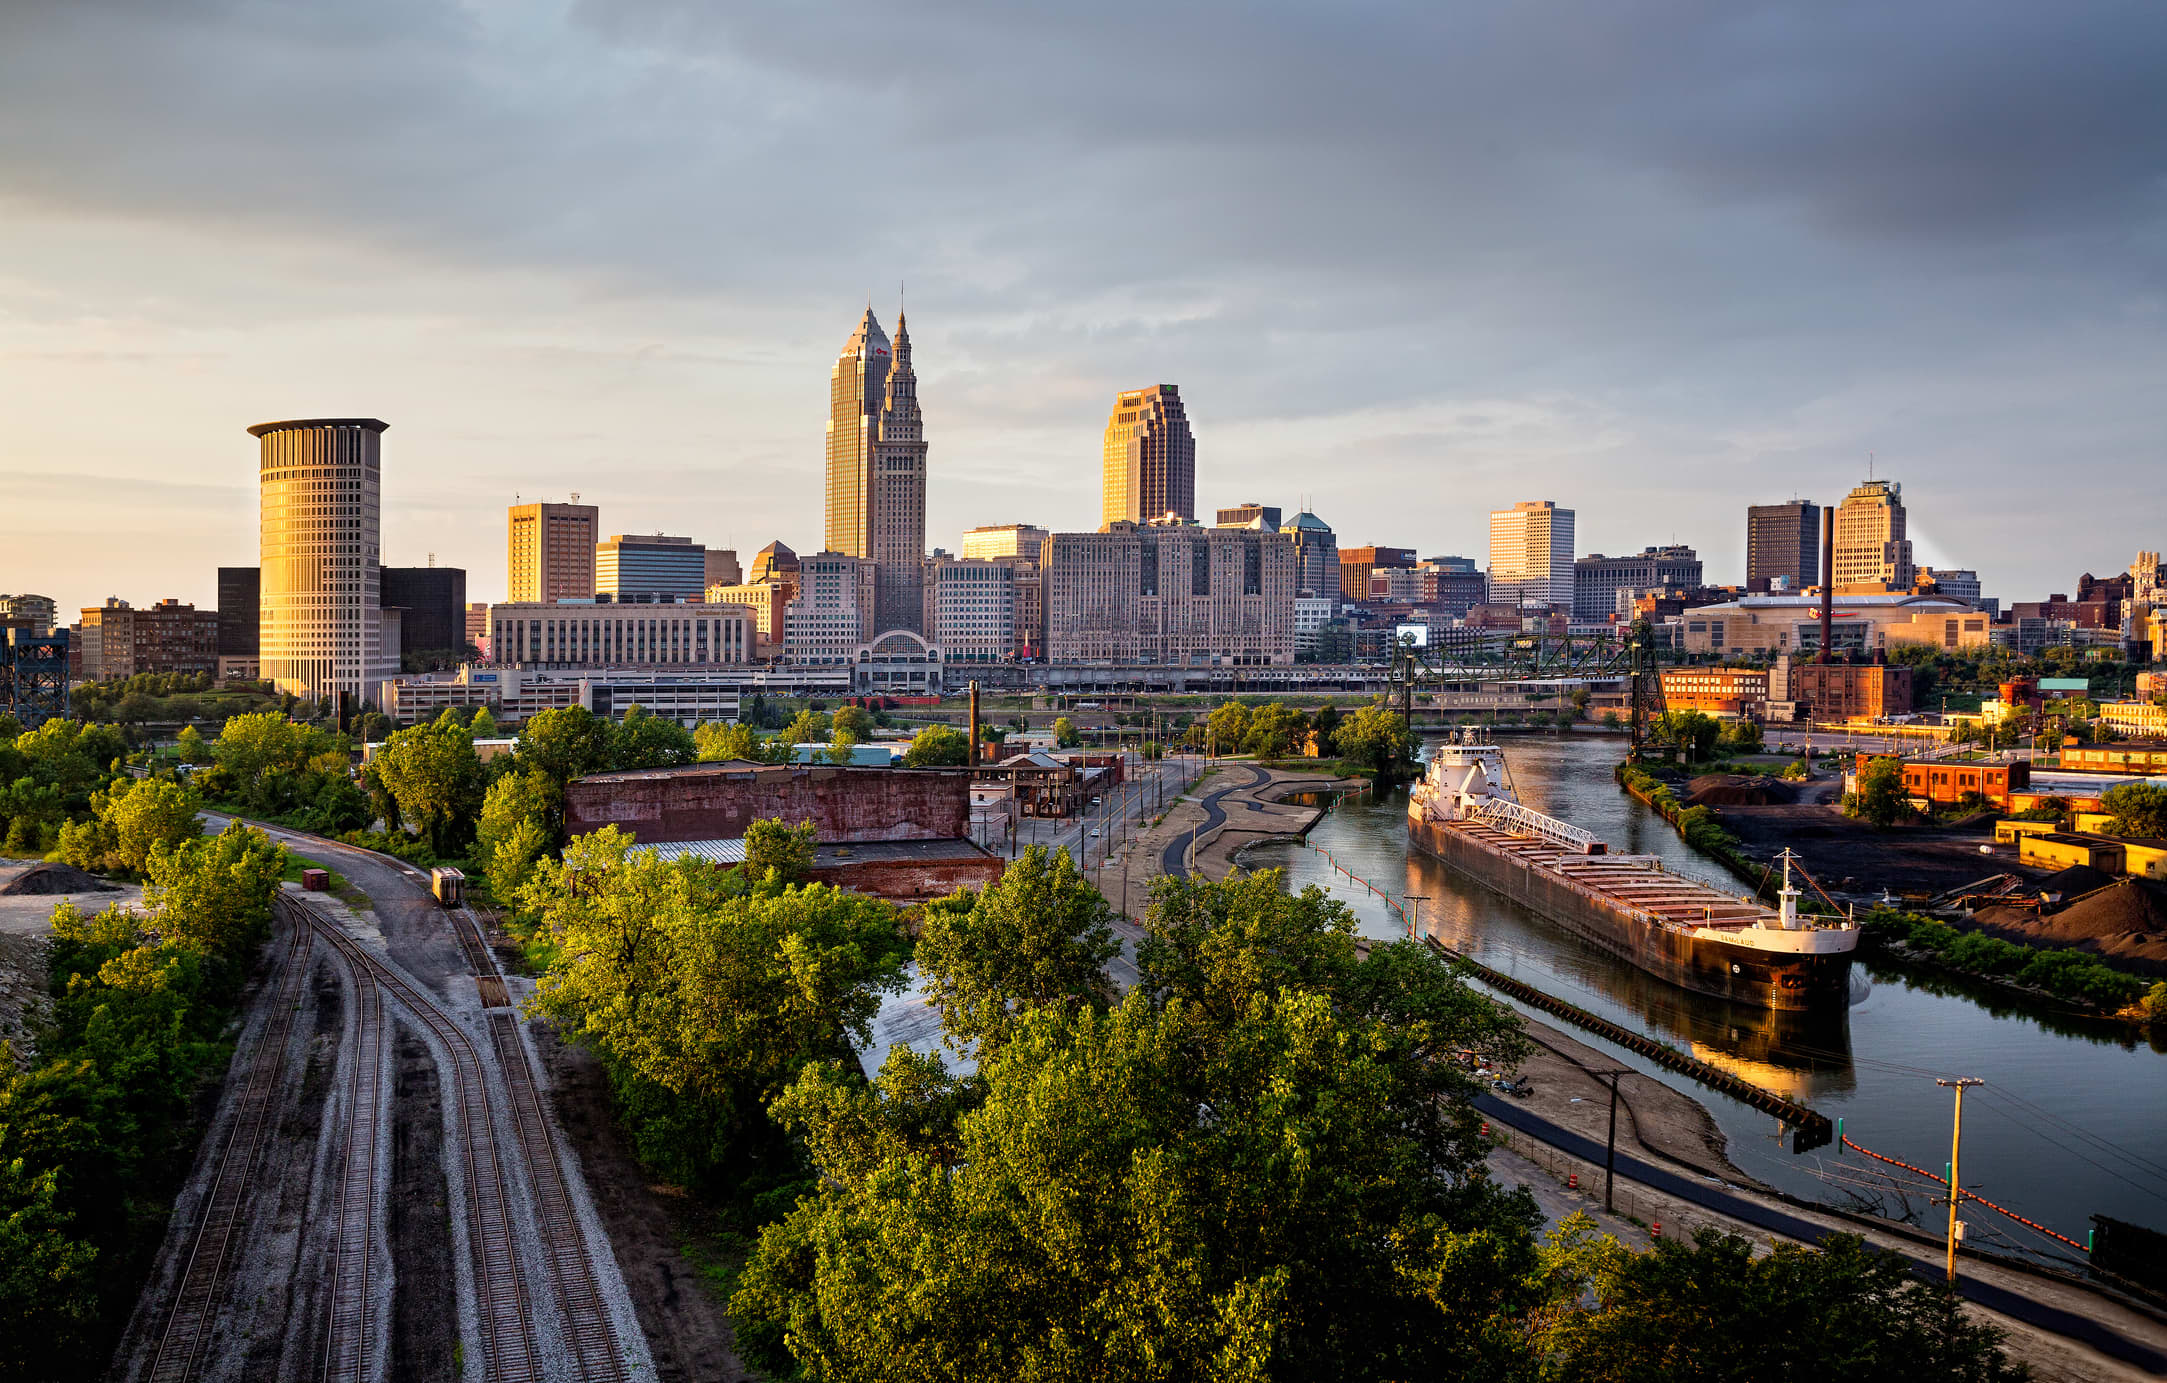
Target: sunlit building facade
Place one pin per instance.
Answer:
(319, 487)
(877, 469)
(1149, 459)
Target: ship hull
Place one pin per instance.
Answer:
(1740, 974)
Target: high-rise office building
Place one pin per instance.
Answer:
(1871, 549)
(35, 614)
(1316, 556)
(775, 562)
(831, 616)
(877, 469)
(433, 600)
(646, 568)
(971, 608)
(1783, 541)
(1250, 515)
(1170, 596)
(320, 491)
(722, 567)
(1598, 579)
(240, 611)
(1149, 458)
(1531, 554)
(1357, 564)
(1005, 540)
(549, 551)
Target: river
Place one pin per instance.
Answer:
(2072, 1120)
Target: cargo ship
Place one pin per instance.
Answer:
(1465, 814)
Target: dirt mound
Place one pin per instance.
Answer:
(56, 878)
(1737, 790)
(2126, 921)
(2075, 881)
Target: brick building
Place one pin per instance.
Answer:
(118, 640)
(1170, 596)
(1941, 781)
(1733, 693)
(1841, 691)
(2119, 757)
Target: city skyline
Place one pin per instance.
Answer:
(1710, 297)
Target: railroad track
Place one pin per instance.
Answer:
(350, 1347)
(188, 1327)
(588, 1328)
(509, 1343)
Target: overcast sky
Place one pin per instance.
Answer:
(1409, 262)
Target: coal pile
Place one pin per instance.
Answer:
(1737, 790)
(48, 879)
(2126, 921)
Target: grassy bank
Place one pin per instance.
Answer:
(2074, 977)
(1697, 826)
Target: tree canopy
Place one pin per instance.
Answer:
(938, 746)
(1039, 937)
(2140, 809)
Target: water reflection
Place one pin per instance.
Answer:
(2068, 1104)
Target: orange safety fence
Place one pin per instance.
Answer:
(1962, 1194)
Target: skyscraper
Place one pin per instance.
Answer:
(1005, 540)
(649, 567)
(549, 551)
(320, 492)
(1871, 549)
(1783, 540)
(1316, 556)
(877, 469)
(1531, 554)
(1149, 458)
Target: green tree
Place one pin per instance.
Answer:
(1064, 733)
(1274, 731)
(1742, 737)
(856, 720)
(190, 747)
(152, 813)
(484, 725)
(432, 773)
(1712, 1312)
(704, 996)
(808, 727)
(938, 746)
(215, 894)
(1226, 727)
(771, 847)
(1254, 1167)
(643, 740)
(843, 750)
(1376, 737)
(563, 744)
(1879, 799)
(1692, 733)
(48, 1290)
(717, 741)
(2140, 810)
(514, 830)
(1040, 935)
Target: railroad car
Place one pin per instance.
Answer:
(449, 886)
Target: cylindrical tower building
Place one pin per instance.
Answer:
(321, 601)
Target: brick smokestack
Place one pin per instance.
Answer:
(1828, 582)
(974, 725)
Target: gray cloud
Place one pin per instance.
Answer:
(1679, 255)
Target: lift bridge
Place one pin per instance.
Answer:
(34, 675)
(1462, 655)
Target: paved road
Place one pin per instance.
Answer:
(1987, 1294)
(1175, 860)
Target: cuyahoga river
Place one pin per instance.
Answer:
(2072, 1120)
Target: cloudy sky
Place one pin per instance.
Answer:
(1410, 261)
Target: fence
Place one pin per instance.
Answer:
(1666, 1218)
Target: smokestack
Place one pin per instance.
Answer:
(974, 725)
(1828, 580)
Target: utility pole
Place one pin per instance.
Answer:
(1956, 1143)
(1610, 1153)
